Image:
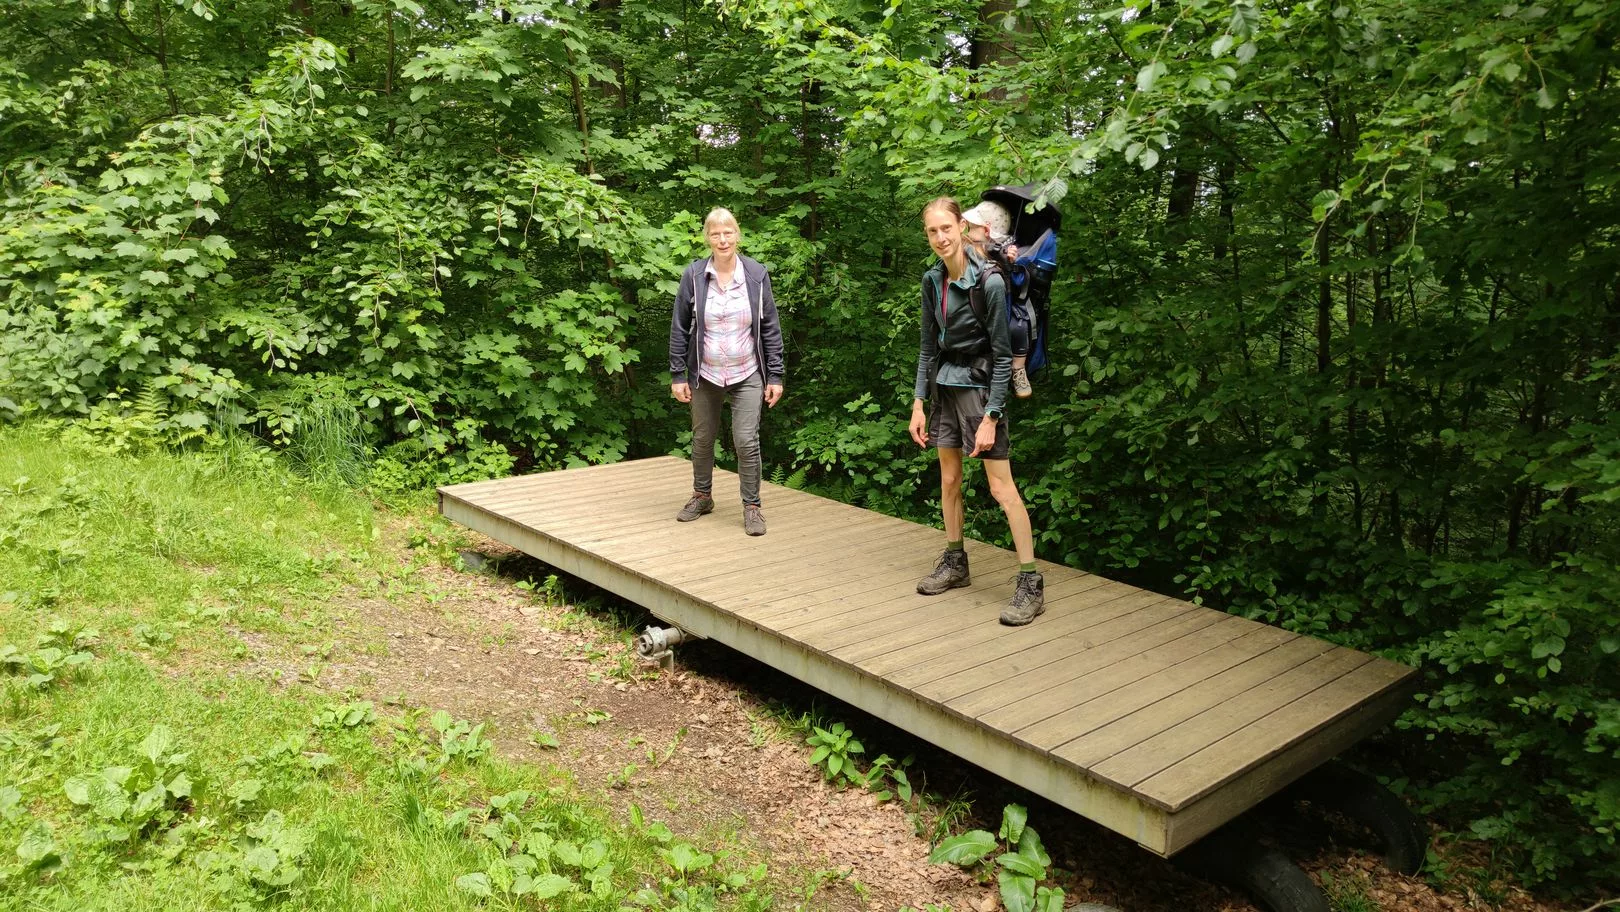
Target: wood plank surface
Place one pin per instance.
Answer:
(1104, 671)
(1155, 717)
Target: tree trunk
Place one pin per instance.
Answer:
(163, 64)
(1324, 299)
(992, 43)
(388, 74)
(305, 11)
(608, 15)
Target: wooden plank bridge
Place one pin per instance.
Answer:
(1154, 717)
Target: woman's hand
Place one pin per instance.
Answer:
(773, 393)
(919, 425)
(681, 391)
(984, 439)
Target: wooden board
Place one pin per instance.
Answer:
(1155, 717)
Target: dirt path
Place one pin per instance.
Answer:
(700, 749)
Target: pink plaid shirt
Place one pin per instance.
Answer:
(728, 336)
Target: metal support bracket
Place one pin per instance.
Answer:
(657, 644)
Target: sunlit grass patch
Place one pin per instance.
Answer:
(179, 540)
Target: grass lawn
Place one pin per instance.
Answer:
(141, 768)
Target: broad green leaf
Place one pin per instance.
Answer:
(38, 847)
(964, 850)
(1029, 846)
(10, 803)
(567, 853)
(262, 861)
(548, 886)
(477, 884)
(1017, 891)
(1013, 818)
(1020, 864)
(593, 854)
(1148, 75)
(77, 790)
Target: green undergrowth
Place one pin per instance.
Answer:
(143, 765)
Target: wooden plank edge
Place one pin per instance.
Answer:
(467, 488)
(1224, 801)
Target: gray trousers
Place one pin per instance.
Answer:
(747, 398)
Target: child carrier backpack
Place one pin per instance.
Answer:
(1029, 274)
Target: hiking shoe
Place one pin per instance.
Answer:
(1020, 383)
(1028, 601)
(950, 573)
(753, 520)
(697, 506)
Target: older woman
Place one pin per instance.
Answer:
(725, 346)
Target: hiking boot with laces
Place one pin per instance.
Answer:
(950, 573)
(753, 520)
(697, 506)
(1028, 601)
(1020, 383)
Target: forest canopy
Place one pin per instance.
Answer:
(1336, 328)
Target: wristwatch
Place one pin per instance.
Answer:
(994, 414)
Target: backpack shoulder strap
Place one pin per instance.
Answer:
(976, 295)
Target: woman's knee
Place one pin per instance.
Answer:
(1005, 492)
(702, 435)
(746, 447)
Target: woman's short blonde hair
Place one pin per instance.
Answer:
(720, 215)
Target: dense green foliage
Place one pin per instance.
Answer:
(1338, 317)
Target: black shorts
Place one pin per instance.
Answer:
(954, 421)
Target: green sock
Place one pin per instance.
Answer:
(1027, 568)
(953, 545)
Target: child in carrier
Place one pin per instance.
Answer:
(990, 233)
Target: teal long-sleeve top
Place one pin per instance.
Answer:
(953, 334)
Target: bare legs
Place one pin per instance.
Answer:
(1002, 488)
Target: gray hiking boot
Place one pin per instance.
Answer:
(697, 506)
(753, 520)
(1028, 601)
(1020, 383)
(950, 573)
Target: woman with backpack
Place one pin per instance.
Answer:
(725, 346)
(964, 363)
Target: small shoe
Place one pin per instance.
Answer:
(753, 520)
(697, 506)
(951, 572)
(1020, 383)
(1028, 601)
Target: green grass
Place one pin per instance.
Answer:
(226, 791)
(1348, 894)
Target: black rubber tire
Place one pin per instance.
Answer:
(1234, 856)
(1279, 885)
(1402, 835)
